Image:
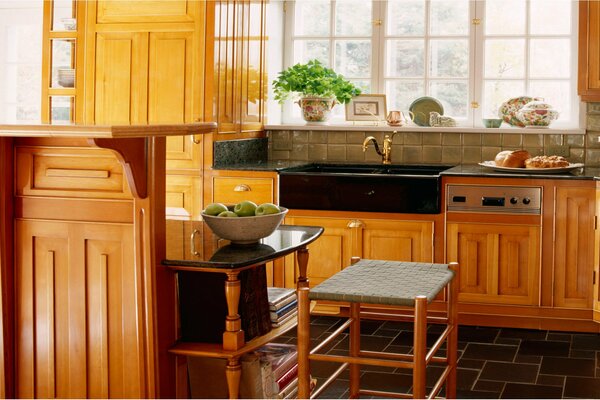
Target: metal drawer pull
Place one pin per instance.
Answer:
(193, 242)
(242, 187)
(196, 141)
(355, 223)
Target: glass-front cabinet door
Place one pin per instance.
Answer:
(62, 61)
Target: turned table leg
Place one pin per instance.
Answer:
(233, 373)
(233, 337)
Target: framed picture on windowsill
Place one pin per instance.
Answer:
(366, 107)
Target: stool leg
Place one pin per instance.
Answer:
(303, 343)
(354, 349)
(420, 347)
(452, 344)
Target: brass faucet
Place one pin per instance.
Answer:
(386, 154)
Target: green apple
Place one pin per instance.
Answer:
(227, 214)
(267, 208)
(215, 209)
(245, 208)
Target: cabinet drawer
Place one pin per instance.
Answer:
(231, 190)
(70, 172)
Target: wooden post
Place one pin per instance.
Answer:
(303, 342)
(354, 349)
(233, 337)
(233, 373)
(420, 347)
(452, 345)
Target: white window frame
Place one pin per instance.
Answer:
(476, 61)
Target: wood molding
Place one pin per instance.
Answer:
(133, 154)
(6, 270)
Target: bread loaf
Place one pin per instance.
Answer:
(546, 162)
(512, 159)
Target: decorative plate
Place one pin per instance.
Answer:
(421, 108)
(508, 110)
(492, 165)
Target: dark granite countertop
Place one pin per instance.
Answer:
(478, 170)
(463, 169)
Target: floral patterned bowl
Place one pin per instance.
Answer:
(537, 114)
(508, 110)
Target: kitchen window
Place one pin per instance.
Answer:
(471, 55)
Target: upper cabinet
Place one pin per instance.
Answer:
(62, 61)
(238, 86)
(144, 62)
(589, 50)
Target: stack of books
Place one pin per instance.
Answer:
(283, 305)
(279, 362)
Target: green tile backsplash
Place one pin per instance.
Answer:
(436, 147)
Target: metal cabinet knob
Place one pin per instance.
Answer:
(242, 187)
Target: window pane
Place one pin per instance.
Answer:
(401, 93)
(550, 58)
(405, 17)
(449, 58)
(505, 58)
(454, 97)
(353, 58)
(504, 17)
(306, 24)
(405, 58)
(557, 93)
(497, 92)
(363, 84)
(449, 17)
(352, 18)
(305, 50)
(552, 17)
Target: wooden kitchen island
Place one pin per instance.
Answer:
(87, 308)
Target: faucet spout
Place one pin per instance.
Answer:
(368, 140)
(386, 154)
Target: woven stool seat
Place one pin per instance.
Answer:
(384, 282)
(388, 290)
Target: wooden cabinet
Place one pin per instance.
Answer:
(499, 264)
(371, 238)
(145, 64)
(79, 332)
(589, 50)
(236, 66)
(574, 246)
(231, 187)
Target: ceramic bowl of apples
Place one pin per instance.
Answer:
(244, 223)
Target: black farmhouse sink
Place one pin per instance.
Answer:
(362, 187)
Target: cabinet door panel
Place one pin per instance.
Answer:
(78, 330)
(327, 256)
(120, 78)
(184, 192)
(397, 240)
(499, 264)
(574, 247)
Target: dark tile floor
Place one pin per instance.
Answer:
(493, 362)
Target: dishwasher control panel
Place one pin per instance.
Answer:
(495, 199)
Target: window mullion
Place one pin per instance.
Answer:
(476, 75)
(378, 52)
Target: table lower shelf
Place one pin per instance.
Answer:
(215, 350)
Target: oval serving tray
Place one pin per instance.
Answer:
(492, 165)
(421, 108)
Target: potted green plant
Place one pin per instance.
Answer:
(317, 87)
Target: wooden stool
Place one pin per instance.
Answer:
(390, 283)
